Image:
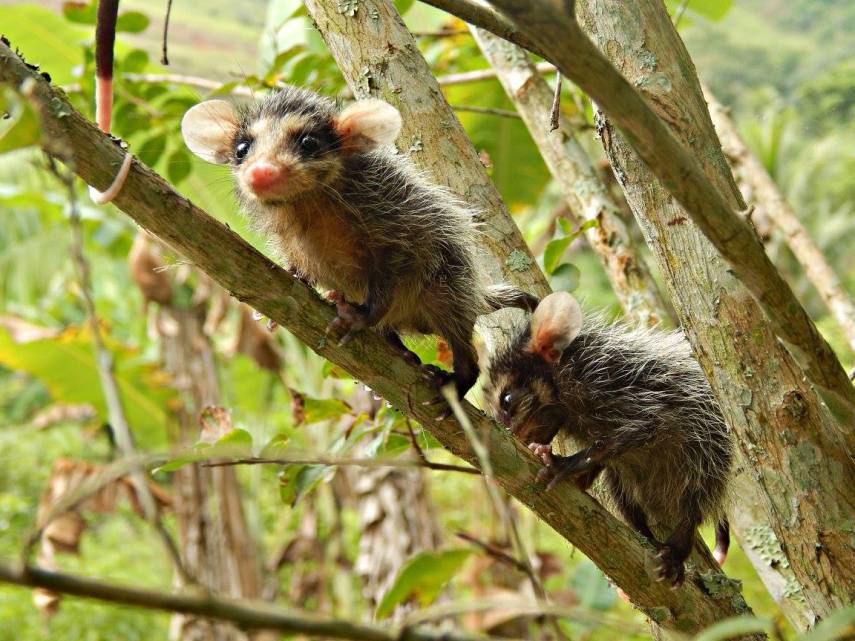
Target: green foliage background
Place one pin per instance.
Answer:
(785, 67)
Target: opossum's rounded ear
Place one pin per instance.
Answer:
(208, 130)
(368, 124)
(556, 321)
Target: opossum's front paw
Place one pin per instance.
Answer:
(438, 378)
(557, 468)
(349, 319)
(669, 567)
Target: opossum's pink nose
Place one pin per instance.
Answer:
(264, 175)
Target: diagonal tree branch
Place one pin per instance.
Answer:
(621, 553)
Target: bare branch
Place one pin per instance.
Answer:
(247, 614)
(545, 28)
(343, 462)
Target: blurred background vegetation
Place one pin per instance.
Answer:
(785, 67)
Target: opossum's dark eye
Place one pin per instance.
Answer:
(242, 149)
(508, 399)
(309, 145)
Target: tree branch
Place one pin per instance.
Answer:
(343, 462)
(621, 553)
(246, 614)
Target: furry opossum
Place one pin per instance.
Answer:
(348, 213)
(638, 402)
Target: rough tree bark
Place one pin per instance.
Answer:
(754, 179)
(621, 553)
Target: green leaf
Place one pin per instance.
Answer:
(403, 5)
(65, 364)
(79, 12)
(152, 149)
(179, 461)
(22, 127)
(734, 627)
(554, 251)
(132, 22)
(48, 39)
(592, 588)
(178, 166)
(330, 370)
(422, 578)
(238, 442)
(565, 278)
(839, 625)
(323, 409)
(135, 61)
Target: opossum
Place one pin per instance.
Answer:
(348, 213)
(639, 404)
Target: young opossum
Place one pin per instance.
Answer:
(638, 402)
(349, 214)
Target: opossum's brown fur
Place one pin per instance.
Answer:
(642, 389)
(360, 221)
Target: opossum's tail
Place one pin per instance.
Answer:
(722, 541)
(502, 296)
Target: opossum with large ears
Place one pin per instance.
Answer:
(346, 212)
(640, 406)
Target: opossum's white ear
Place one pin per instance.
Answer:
(554, 324)
(368, 124)
(208, 130)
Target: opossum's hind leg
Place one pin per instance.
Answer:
(394, 339)
(722, 541)
(629, 509)
(673, 554)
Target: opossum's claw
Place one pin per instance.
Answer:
(349, 320)
(669, 568)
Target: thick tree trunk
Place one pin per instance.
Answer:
(785, 434)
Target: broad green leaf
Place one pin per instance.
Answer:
(735, 627)
(238, 442)
(21, 128)
(565, 278)
(82, 13)
(178, 166)
(422, 578)
(152, 149)
(65, 364)
(403, 5)
(132, 22)
(322, 409)
(713, 10)
(135, 61)
(554, 251)
(45, 38)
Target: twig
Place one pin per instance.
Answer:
(523, 559)
(484, 74)
(164, 60)
(678, 14)
(494, 551)
(442, 33)
(504, 113)
(109, 387)
(555, 112)
(244, 613)
(343, 462)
